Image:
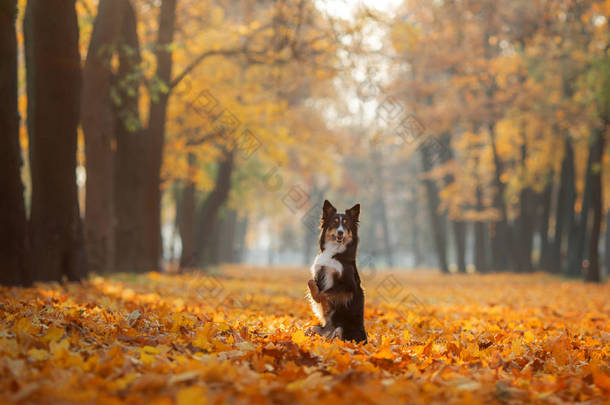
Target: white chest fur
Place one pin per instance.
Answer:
(325, 261)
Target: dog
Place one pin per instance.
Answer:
(336, 293)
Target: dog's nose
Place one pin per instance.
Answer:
(340, 233)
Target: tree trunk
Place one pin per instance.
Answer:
(577, 238)
(502, 240)
(14, 269)
(607, 244)
(156, 134)
(415, 234)
(459, 234)
(459, 227)
(208, 213)
(130, 173)
(187, 218)
(210, 255)
(525, 237)
(228, 229)
(565, 206)
(544, 216)
(593, 273)
(97, 119)
(53, 88)
(480, 236)
(526, 230)
(436, 219)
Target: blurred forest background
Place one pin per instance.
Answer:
(140, 135)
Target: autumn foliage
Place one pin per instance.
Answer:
(238, 337)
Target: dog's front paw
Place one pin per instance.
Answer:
(314, 330)
(314, 290)
(336, 334)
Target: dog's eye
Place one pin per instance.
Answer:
(336, 220)
(344, 222)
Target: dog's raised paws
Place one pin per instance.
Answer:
(336, 334)
(314, 330)
(313, 287)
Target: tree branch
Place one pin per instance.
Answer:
(201, 58)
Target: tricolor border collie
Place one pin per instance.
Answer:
(335, 292)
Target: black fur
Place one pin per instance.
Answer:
(349, 317)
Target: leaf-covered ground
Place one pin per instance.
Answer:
(237, 337)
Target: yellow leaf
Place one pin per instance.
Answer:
(150, 350)
(201, 341)
(191, 396)
(56, 347)
(299, 337)
(147, 354)
(223, 327)
(53, 334)
(38, 354)
(25, 324)
(123, 382)
(529, 337)
(384, 353)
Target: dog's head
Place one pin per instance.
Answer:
(341, 228)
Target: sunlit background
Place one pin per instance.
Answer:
(472, 133)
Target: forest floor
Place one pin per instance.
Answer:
(237, 336)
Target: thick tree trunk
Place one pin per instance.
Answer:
(593, 273)
(208, 213)
(156, 133)
(97, 119)
(436, 219)
(14, 269)
(565, 206)
(130, 197)
(577, 238)
(53, 88)
(130, 173)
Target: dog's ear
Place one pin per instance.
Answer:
(328, 210)
(354, 212)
